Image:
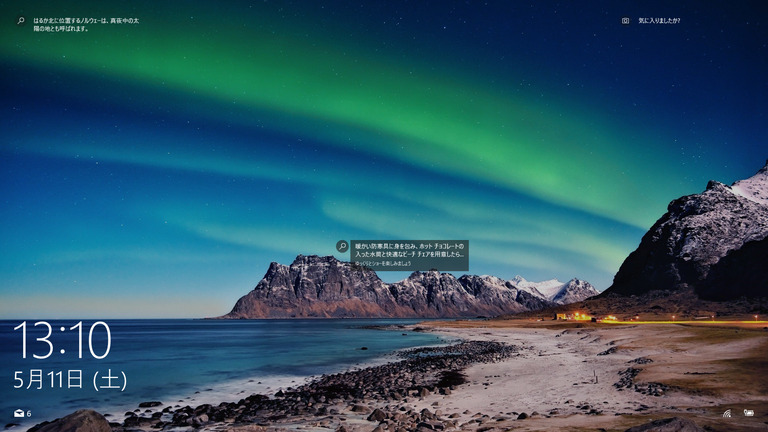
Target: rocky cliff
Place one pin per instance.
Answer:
(314, 286)
(713, 242)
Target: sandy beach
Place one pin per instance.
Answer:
(564, 378)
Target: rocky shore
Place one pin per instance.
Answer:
(369, 398)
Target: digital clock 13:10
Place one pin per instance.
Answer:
(46, 343)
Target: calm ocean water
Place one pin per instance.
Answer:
(178, 362)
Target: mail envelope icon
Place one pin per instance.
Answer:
(18, 413)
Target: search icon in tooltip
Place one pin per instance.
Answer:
(20, 21)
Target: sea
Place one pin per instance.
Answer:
(113, 365)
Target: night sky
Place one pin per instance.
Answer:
(156, 169)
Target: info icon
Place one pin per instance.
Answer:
(625, 20)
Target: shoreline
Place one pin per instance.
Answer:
(403, 374)
(515, 374)
(288, 352)
(418, 372)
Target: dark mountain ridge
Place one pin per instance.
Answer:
(713, 243)
(325, 287)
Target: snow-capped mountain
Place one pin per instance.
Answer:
(555, 291)
(754, 188)
(544, 289)
(713, 242)
(575, 290)
(314, 286)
